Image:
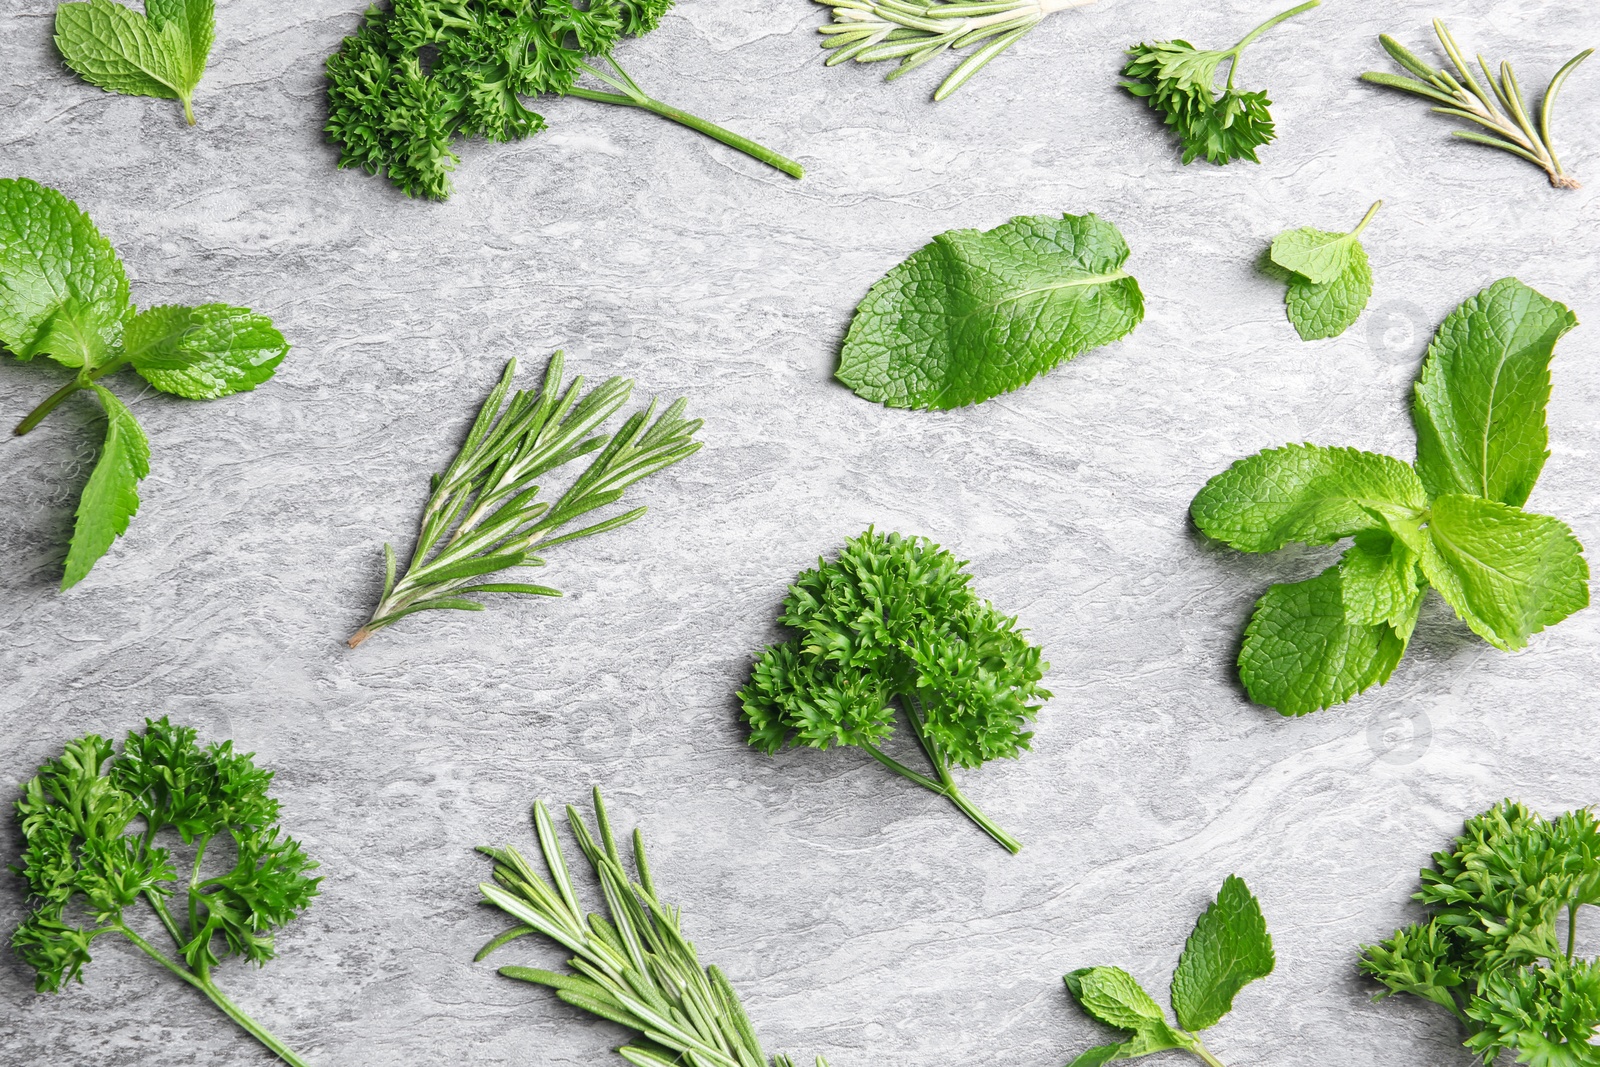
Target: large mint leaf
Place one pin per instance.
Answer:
(1506, 572)
(973, 315)
(118, 49)
(1322, 310)
(1380, 580)
(52, 256)
(1480, 401)
(1304, 493)
(204, 352)
(111, 496)
(1302, 653)
(1229, 949)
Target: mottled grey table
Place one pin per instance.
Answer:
(860, 917)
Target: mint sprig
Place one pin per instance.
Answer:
(161, 53)
(1330, 280)
(63, 294)
(1228, 949)
(1452, 521)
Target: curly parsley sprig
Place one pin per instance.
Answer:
(1461, 95)
(892, 623)
(93, 849)
(485, 515)
(634, 968)
(1491, 951)
(916, 31)
(1178, 80)
(421, 73)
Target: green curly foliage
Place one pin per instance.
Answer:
(1493, 950)
(93, 828)
(893, 626)
(419, 74)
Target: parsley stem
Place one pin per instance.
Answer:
(1572, 929)
(215, 995)
(694, 122)
(1234, 52)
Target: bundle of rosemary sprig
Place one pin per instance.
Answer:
(915, 31)
(635, 968)
(1461, 95)
(484, 517)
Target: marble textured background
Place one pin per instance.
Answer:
(859, 917)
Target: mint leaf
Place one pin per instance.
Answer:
(972, 315)
(111, 496)
(1305, 493)
(1381, 582)
(1319, 312)
(1317, 255)
(204, 352)
(51, 255)
(1229, 949)
(1480, 402)
(1115, 997)
(118, 49)
(1507, 573)
(1302, 653)
(75, 335)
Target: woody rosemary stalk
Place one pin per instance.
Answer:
(869, 31)
(1460, 95)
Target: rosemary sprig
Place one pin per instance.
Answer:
(484, 517)
(915, 31)
(635, 968)
(1500, 108)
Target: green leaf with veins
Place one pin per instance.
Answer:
(1380, 581)
(242, 879)
(75, 335)
(1302, 653)
(1229, 949)
(972, 315)
(1115, 997)
(51, 256)
(161, 53)
(205, 352)
(1507, 573)
(111, 496)
(1316, 255)
(1319, 312)
(1480, 403)
(1305, 493)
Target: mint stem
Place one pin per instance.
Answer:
(36, 416)
(1371, 211)
(694, 122)
(1205, 1053)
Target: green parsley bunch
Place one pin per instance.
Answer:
(892, 626)
(97, 845)
(1491, 950)
(1178, 80)
(418, 74)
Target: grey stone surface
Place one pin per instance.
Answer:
(860, 918)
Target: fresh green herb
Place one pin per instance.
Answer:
(972, 315)
(91, 852)
(1330, 280)
(1461, 95)
(1492, 951)
(1179, 81)
(161, 53)
(1454, 520)
(63, 294)
(893, 621)
(914, 32)
(484, 515)
(422, 73)
(634, 968)
(1229, 949)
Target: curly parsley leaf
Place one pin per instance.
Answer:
(972, 315)
(1178, 80)
(892, 627)
(94, 863)
(161, 53)
(1507, 573)
(632, 966)
(1491, 950)
(63, 294)
(1228, 949)
(1480, 404)
(392, 112)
